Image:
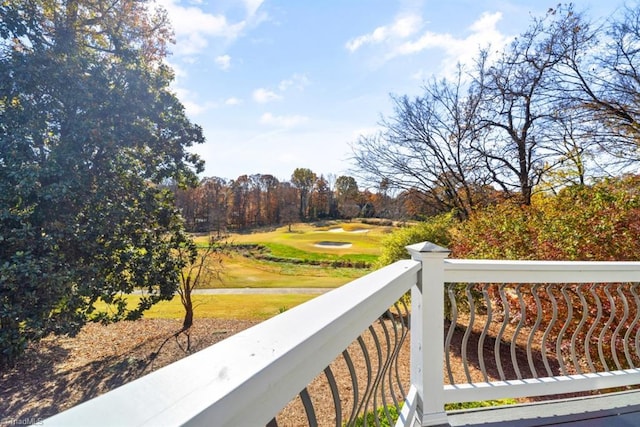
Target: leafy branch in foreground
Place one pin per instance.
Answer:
(89, 129)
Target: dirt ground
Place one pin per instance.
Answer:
(60, 372)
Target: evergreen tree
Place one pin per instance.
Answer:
(88, 129)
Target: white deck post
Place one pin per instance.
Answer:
(427, 332)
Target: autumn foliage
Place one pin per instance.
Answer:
(600, 222)
(596, 222)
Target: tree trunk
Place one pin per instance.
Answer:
(188, 311)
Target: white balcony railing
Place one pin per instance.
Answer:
(529, 328)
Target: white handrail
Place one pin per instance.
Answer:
(246, 379)
(494, 271)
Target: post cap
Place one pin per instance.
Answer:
(427, 247)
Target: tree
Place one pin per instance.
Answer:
(240, 188)
(522, 103)
(89, 129)
(256, 214)
(201, 267)
(553, 108)
(270, 185)
(188, 201)
(346, 189)
(321, 198)
(289, 212)
(215, 192)
(303, 179)
(600, 221)
(425, 146)
(416, 204)
(575, 149)
(605, 82)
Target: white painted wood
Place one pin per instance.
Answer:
(246, 379)
(491, 271)
(540, 386)
(427, 331)
(408, 415)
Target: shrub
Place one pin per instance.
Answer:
(598, 222)
(391, 411)
(383, 420)
(479, 404)
(435, 230)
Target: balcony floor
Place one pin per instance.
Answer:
(614, 409)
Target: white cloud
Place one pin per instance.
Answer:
(402, 38)
(223, 62)
(252, 6)
(486, 22)
(298, 81)
(262, 96)
(404, 26)
(233, 101)
(427, 41)
(283, 121)
(483, 33)
(195, 28)
(190, 20)
(190, 102)
(193, 108)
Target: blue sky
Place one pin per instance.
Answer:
(282, 84)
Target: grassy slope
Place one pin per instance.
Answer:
(304, 237)
(246, 307)
(239, 306)
(241, 272)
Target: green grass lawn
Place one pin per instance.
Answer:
(241, 272)
(319, 254)
(300, 245)
(246, 307)
(365, 239)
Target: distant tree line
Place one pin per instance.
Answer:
(219, 205)
(257, 200)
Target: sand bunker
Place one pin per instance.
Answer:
(341, 230)
(333, 245)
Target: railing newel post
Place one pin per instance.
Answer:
(427, 332)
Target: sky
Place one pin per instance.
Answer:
(283, 84)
